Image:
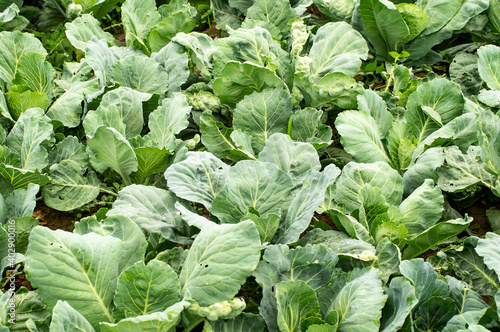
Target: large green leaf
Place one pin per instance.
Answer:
(20, 98)
(359, 303)
(157, 321)
(67, 319)
(201, 48)
(21, 202)
(143, 289)
(461, 131)
(27, 138)
(100, 58)
(112, 151)
(252, 185)
(176, 17)
(470, 321)
(104, 116)
(416, 20)
(372, 103)
(141, 74)
(339, 242)
(294, 158)
(296, 302)
(361, 137)
(438, 13)
(175, 61)
(16, 178)
(279, 263)
(434, 314)
(489, 139)
(305, 203)
(121, 227)
(139, 17)
(13, 46)
(241, 79)
(217, 138)
(262, 114)
(69, 148)
(276, 12)
(23, 228)
(435, 235)
(255, 46)
(463, 171)
(153, 209)
(68, 107)
(464, 71)
(445, 17)
(493, 15)
(29, 307)
(337, 48)
(9, 13)
(338, 10)
(219, 261)
(35, 73)
(466, 299)
(488, 249)
(379, 175)
(425, 280)
(424, 168)
(198, 178)
(70, 188)
(84, 265)
(423, 208)
(400, 302)
(83, 28)
(470, 267)
(168, 120)
(306, 126)
(150, 161)
(382, 24)
(490, 98)
(443, 97)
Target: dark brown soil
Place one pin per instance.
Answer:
(204, 211)
(20, 281)
(315, 11)
(212, 30)
(428, 254)
(120, 38)
(326, 219)
(480, 225)
(54, 219)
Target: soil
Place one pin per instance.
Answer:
(204, 211)
(212, 30)
(427, 254)
(421, 74)
(120, 38)
(20, 281)
(326, 219)
(315, 11)
(480, 225)
(54, 219)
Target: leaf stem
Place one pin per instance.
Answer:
(126, 179)
(108, 192)
(113, 26)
